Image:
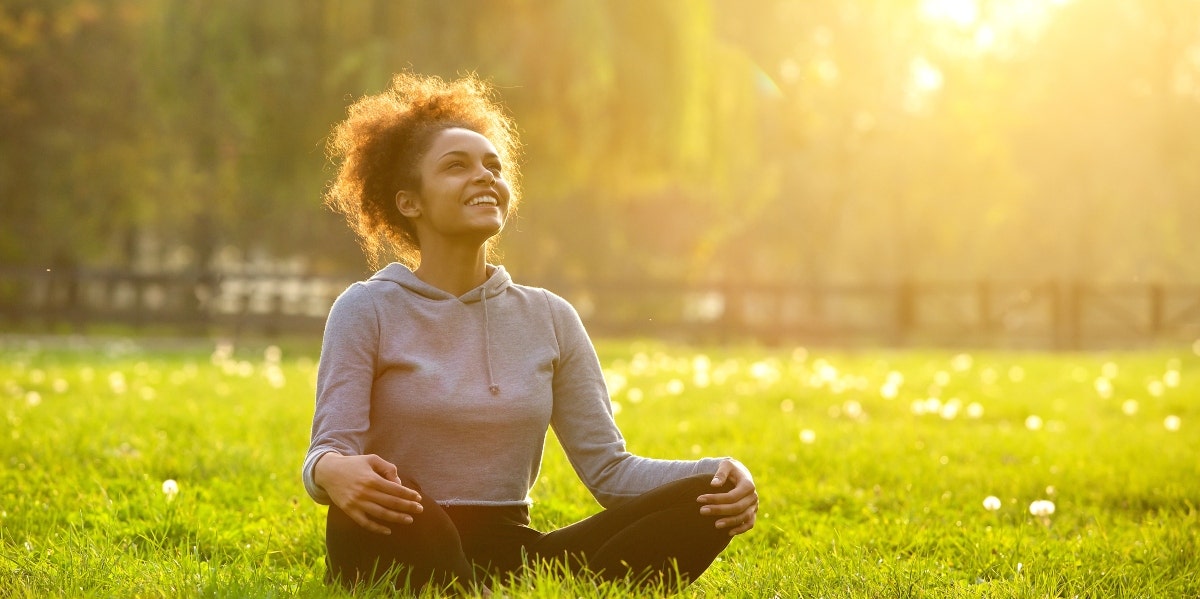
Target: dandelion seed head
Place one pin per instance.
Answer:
(853, 410)
(1172, 423)
(33, 398)
(975, 410)
(1110, 370)
(808, 436)
(634, 395)
(962, 362)
(60, 385)
(1033, 422)
(116, 382)
(1155, 388)
(170, 488)
(1171, 379)
(1129, 407)
(951, 408)
(889, 390)
(675, 387)
(1041, 508)
(1104, 387)
(614, 380)
(991, 503)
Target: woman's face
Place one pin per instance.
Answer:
(463, 195)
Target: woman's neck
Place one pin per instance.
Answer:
(453, 270)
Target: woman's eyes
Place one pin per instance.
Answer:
(496, 168)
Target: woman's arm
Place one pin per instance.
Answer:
(583, 421)
(366, 487)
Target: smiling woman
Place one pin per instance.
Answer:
(440, 369)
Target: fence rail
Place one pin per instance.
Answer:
(1041, 315)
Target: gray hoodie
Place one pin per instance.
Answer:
(458, 392)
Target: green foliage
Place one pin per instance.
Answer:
(766, 139)
(872, 468)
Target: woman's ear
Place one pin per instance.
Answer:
(407, 204)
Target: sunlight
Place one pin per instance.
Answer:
(995, 26)
(962, 13)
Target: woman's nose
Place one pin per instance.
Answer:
(486, 176)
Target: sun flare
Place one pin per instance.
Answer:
(990, 26)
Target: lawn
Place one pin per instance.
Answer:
(157, 468)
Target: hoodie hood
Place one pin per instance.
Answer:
(403, 276)
(494, 285)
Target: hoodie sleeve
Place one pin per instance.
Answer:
(345, 374)
(583, 421)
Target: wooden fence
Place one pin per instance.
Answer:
(1013, 314)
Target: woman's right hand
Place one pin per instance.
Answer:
(368, 489)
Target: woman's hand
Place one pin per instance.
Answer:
(368, 489)
(737, 507)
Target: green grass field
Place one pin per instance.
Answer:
(873, 469)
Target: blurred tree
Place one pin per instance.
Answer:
(771, 139)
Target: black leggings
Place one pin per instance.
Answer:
(657, 538)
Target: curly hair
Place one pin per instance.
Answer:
(383, 138)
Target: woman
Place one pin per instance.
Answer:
(439, 378)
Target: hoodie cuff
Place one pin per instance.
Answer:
(314, 490)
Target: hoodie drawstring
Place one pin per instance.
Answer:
(487, 344)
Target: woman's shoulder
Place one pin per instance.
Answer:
(556, 303)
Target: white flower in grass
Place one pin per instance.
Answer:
(1130, 407)
(33, 398)
(1033, 422)
(991, 503)
(1172, 423)
(808, 436)
(170, 488)
(975, 410)
(1171, 378)
(116, 382)
(1155, 388)
(1042, 508)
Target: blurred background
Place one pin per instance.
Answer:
(829, 169)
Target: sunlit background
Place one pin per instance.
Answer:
(761, 140)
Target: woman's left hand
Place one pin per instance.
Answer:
(736, 508)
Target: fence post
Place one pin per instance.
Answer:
(1157, 299)
(906, 314)
(1075, 299)
(984, 292)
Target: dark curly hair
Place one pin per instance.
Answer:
(379, 145)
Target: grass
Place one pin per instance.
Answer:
(872, 466)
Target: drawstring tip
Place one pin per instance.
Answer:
(495, 389)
